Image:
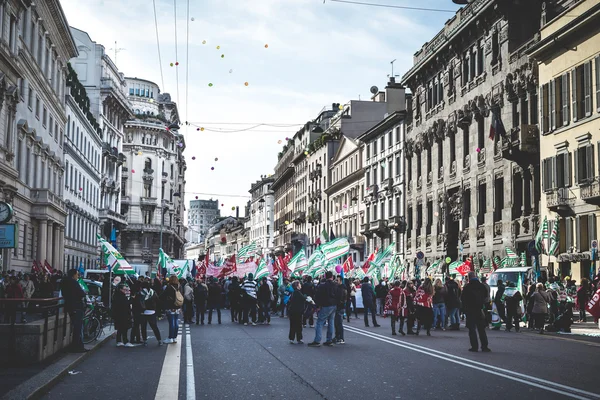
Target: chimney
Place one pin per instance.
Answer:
(395, 96)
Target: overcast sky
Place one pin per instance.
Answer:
(317, 54)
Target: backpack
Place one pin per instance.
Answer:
(178, 298)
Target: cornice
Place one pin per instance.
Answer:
(347, 181)
(54, 12)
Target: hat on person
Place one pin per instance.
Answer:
(472, 275)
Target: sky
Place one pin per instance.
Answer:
(297, 57)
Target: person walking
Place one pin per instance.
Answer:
(214, 300)
(499, 304)
(150, 299)
(137, 310)
(249, 300)
(28, 289)
(381, 292)
(121, 313)
(342, 299)
(326, 300)
(200, 297)
(368, 297)
(308, 290)
(424, 306)
(439, 304)
(172, 300)
(281, 294)
(74, 296)
(264, 297)
(295, 313)
(351, 303)
(473, 300)
(188, 302)
(539, 310)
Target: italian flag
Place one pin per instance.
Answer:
(298, 262)
(553, 251)
(511, 254)
(261, 270)
(384, 256)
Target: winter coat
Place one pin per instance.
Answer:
(473, 299)
(296, 303)
(264, 293)
(234, 294)
(423, 299)
(73, 294)
(214, 294)
(540, 301)
(200, 294)
(138, 304)
(121, 311)
(28, 288)
(188, 292)
(439, 295)
(342, 297)
(367, 293)
(397, 303)
(308, 289)
(452, 295)
(381, 291)
(326, 295)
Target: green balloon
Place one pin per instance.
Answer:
(448, 260)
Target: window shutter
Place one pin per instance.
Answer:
(576, 159)
(578, 233)
(589, 173)
(544, 108)
(568, 233)
(565, 99)
(598, 84)
(592, 227)
(552, 104)
(587, 87)
(574, 93)
(553, 172)
(545, 174)
(568, 170)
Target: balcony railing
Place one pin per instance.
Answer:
(591, 192)
(365, 229)
(149, 201)
(560, 198)
(45, 196)
(106, 213)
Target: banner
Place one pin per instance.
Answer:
(593, 306)
(245, 269)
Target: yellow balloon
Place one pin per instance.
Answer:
(287, 222)
(218, 47)
(233, 208)
(341, 107)
(204, 42)
(201, 129)
(140, 153)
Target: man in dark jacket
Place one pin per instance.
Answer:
(326, 301)
(200, 297)
(499, 303)
(74, 296)
(214, 300)
(308, 289)
(453, 303)
(368, 299)
(473, 298)
(342, 296)
(381, 292)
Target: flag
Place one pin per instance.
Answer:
(83, 285)
(497, 127)
(315, 262)
(323, 238)
(367, 264)
(229, 267)
(511, 254)
(335, 248)
(261, 270)
(35, 267)
(541, 235)
(113, 259)
(465, 267)
(166, 263)
(47, 267)
(433, 267)
(332, 235)
(348, 265)
(453, 267)
(384, 256)
(496, 263)
(280, 281)
(298, 262)
(245, 252)
(554, 237)
(487, 267)
(523, 261)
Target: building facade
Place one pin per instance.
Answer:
(153, 177)
(284, 188)
(346, 209)
(36, 46)
(467, 194)
(569, 87)
(202, 214)
(106, 88)
(83, 154)
(260, 216)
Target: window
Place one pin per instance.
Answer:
(452, 148)
(45, 117)
(418, 165)
(398, 165)
(374, 147)
(440, 155)
(482, 204)
(390, 139)
(382, 144)
(498, 199)
(480, 58)
(51, 125)
(429, 217)
(409, 220)
(581, 91)
(481, 133)
(131, 91)
(409, 169)
(597, 62)
(466, 141)
(495, 47)
(563, 170)
(584, 164)
(429, 160)
(37, 107)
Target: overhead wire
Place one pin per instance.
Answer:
(162, 79)
(176, 55)
(187, 62)
(362, 3)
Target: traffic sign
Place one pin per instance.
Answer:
(420, 255)
(594, 244)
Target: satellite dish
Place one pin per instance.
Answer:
(374, 89)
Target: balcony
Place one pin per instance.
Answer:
(110, 87)
(481, 157)
(121, 159)
(148, 174)
(387, 184)
(356, 239)
(560, 199)
(521, 143)
(590, 193)
(45, 197)
(467, 162)
(398, 224)
(300, 218)
(106, 213)
(148, 201)
(380, 228)
(366, 230)
(314, 217)
(126, 200)
(106, 148)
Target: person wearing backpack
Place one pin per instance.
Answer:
(200, 297)
(150, 304)
(188, 302)
(172, 300)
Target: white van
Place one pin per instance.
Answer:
(510, 275)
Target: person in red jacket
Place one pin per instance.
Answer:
(395, 306)
(423, 301)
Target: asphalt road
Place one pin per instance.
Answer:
(234, 361)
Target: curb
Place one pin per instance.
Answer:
(38, 385)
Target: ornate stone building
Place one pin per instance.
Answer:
(105, 86)
(36, 46)
(153, 176)
(260, 216)
(467, 193)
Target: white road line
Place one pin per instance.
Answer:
(168, 385)
(489, 369)
(190, 381)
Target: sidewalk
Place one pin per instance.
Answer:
(32, 381)
(584, 328)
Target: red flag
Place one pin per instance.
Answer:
(366, 265)
(229, 267)
(466, 267)
(35, 267)
(47, 267)
(593, 306)
(348, 265)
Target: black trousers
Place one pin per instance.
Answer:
(135, 331)
(513, 319)
(200, 310)
(150, 320)
(310, 319)
(295, 326)
(188, 311)
(212, 307)
(370, 307)
(236, 311)
(397, 319)
(249, 310)
(501, 311)
(122, 336)
(476, 326)
(351, 304)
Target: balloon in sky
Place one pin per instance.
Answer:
(196, 197)
(222, 204)
(177, 63)
(279, 142)
(202, 129)
(193, 158)
(210, 85)
(197, 129)
(341, 107)
(338, 269)
(266, 46)
(245, 83)
(140, 153)
(218, 47)
(133, 171)
(287, 222)
(216, 159)
(233, 208)
(81, 189)
(193, 19)
(230, 71)
(212, 168)
(222, 55)
(171, 64)
(204, 42)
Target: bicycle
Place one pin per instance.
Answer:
(93, 322)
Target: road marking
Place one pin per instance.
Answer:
(168, 384)
(190, 381)
(487, 368)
